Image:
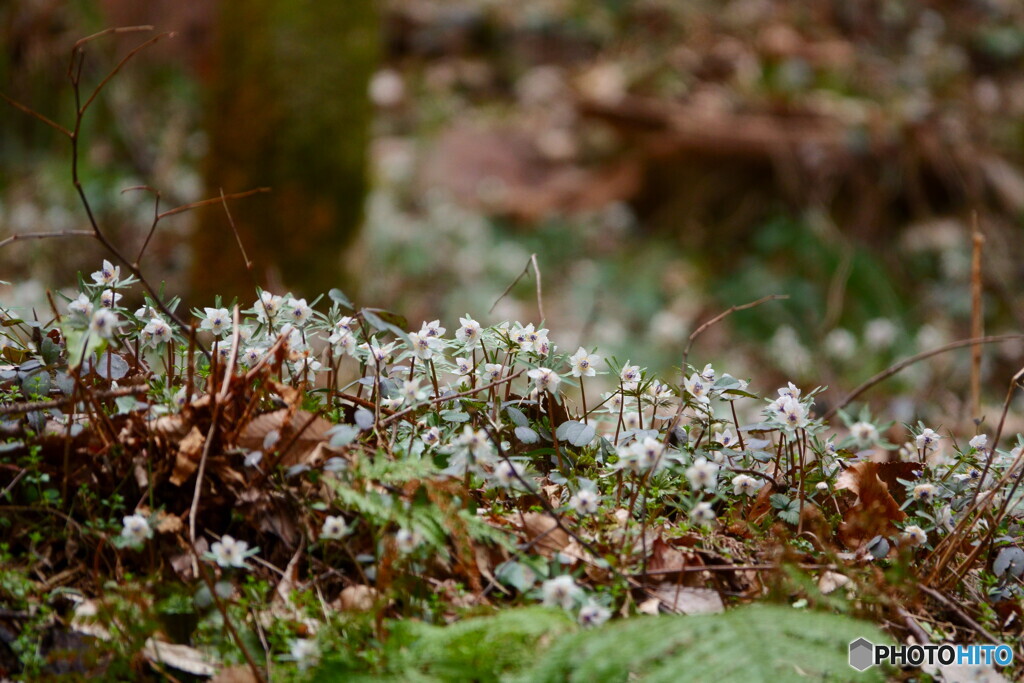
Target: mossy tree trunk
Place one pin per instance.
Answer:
(287, 109)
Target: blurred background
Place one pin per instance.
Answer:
(665, 160)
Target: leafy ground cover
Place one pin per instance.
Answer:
(221, 491)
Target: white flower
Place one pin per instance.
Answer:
(821, 486)
(631, 420)
(612, 402)
(864, 432)
(103, 323)
(979, 442)
(840, 344)
(80, 306)
(541, 344)
(379, 354)
(463, 366)
(726, 438)
(629, 375)
(157, 331)
(585, 502)
(944, 517)
(697, 387)
(583, 363)
(790, 390)
(791, 412)
(745, 485)
(545, 379)
(492, 372)
(522, 336)
(299, 312)
(229, 552)
(333, 528)
(702, 474)
(217, 320)
(180, 398)
(880, 333)
(268, 306)
(560, 591)
(136, 530)
(344, 343)
(925, 492)
(469, 333)
(475, 441)
(410, 390)
(109, 298)
(432, 436)
(306, 369)
(422, 345)
(107, 275)
(305, 653)
(407, 540)
(432, 329)
(649, 452)
(593, 615)
(345, 324)
(702, 513)
(507, 473)
(659, 394)
(927, 439)
(251, 356)
(914, 535)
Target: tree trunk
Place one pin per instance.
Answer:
(287, 109)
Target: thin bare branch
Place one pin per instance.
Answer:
(720, 317)
(36, 115)
(907, 362)
(120, 65)
(13, 408)
(110, 31)
(43, 235)
(213, 200)
(540, 299)
(221, 397)
(238, 238)
(977, 315)
(540, 296)
(156, 217)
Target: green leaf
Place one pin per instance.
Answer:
(517, 416)
(377, 318)
(478, 649)
(527, 435)
(80, 344)
(753, 644)
(338, 297)
(514, 574)
(342, 435)
(576, 433)
(50, 351)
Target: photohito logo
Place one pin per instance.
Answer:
(865, 654)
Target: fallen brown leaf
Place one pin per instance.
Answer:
(190, 450)
(299, 450)
(875, 510)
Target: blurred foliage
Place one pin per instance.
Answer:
(664, 160)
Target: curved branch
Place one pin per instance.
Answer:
(906, 362)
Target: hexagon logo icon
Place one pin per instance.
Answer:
(862, 654)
